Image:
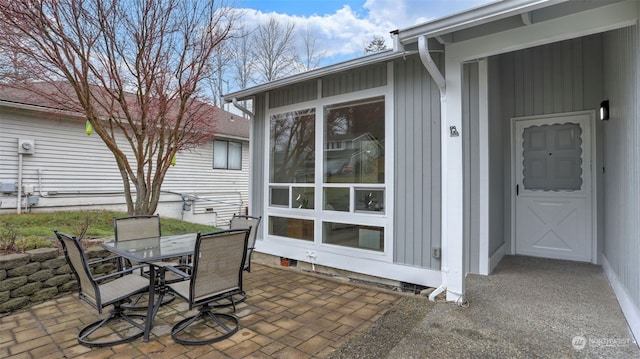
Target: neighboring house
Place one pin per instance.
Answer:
(487, 143)
(68, 170)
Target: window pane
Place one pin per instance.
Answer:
(302, 197)
(552, 157)
(291, 227)
(292, 150)
(219, 154)
(280, 197)
(354, 142)
(369, 200)
(352, 235)
(336, 199)
(235, 155)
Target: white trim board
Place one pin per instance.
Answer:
(630, 311)
(368, 266)
(497, 256)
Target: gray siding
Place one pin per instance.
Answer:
(355, 80)
(417, 165)
(258, 186)
(297, 93)
(561, 77)
(471, 163)
(622, 159)
(554, 78)
(498, 156)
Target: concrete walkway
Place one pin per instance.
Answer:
(529, 308)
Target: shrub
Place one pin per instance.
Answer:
(8, 236)
(26, 244)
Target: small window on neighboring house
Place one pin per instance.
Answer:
(227, 155)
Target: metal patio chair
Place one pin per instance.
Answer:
(143, 226)
(244, 221)
(218, 263)
(116, 291)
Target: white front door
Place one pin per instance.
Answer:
(553, 211)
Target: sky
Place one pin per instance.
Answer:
(345, 27)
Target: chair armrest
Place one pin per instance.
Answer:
(117, 274)
(174, 270)
(102, 260)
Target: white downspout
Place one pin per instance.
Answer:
(245, 110)
(436, 75)
(434, 71)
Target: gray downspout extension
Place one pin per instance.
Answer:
(436, 75)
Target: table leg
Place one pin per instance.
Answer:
(150, 309)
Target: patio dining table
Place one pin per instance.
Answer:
(151, 251)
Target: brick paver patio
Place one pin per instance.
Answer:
(288, 314)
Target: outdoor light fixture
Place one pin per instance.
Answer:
(604, 110)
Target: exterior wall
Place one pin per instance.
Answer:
(70, 170)
(560, 77)
(498, 155)
(413, 226)
(289, 95)
(355, 80)
(258, 185)
(622, 164)
(417, 165)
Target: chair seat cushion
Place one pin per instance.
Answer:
(122, 288)
(182, 289)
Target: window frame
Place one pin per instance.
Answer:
(227, 160)
(318, 214)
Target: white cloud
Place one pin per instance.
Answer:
(344, 33)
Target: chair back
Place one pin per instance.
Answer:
(77, 260)
(218, 262)
(243, 221)
(135, 227)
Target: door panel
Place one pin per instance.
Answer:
(553, 196)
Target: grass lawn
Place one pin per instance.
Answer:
(20, 232)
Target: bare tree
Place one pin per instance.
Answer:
(274, 52)
(221, 61)
(130, 67)
(310, 55)
(243, 60)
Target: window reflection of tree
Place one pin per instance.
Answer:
(293, 146)
(354, 137)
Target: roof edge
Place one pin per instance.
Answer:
(472, 17)
(316, 73)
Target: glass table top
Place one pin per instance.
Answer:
(154, 248)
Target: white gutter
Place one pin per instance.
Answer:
(436, 75)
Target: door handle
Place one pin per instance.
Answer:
(517, 189)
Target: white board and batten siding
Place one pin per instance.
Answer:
(72, 171)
